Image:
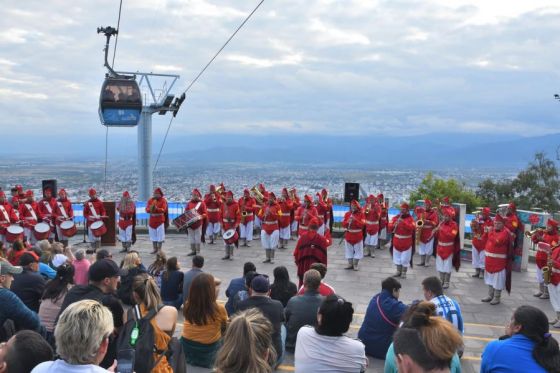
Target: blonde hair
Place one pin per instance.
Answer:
(57, 248)
(43, 245)
(81, 329)
(130, 260)
(147, 291)
(247, 345)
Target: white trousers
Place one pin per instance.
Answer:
(212, 228)
(246, 231)
(195, 235)
(383, 234)
(426, 248)
(321, 230)
(125, 235)
(294, 226)
(371, 240)
(496, 280)
(28, 233)
(270, 241)
(285, 233)
(61, 236)
(444, 265)
(257, 223)
(91, 237)
(355, 251)
(157, 234)
(540, 278)
(478, 258)
(3, 239)
(554, 292)
(402, 258)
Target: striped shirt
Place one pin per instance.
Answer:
(449, 309)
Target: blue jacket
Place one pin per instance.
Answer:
(235, 286)
(376, 333)
(514, 354)
(12, 308)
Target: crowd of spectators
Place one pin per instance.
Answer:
(76, 313)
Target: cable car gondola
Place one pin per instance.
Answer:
(120, 101)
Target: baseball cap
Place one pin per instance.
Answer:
(260, 284)
(59, 259)
(7, 269)
(27, 258)
(104, 268)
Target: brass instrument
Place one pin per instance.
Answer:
(220, 189)
(396, 224)
(538, 232)
(346, 230)
(257, 195)
(475, 225)
(419, 224)
(547, 269)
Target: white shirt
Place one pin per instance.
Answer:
(449, 309)
(320, 353)
(61, 366)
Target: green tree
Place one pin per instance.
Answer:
(436, 188)
(493, 193)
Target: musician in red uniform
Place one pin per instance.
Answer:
(383, 221)
(213, 202)
(448, 249)
(127, 212)
(94, 211)
(45, 208)
(195, 230)
(304, 214)
(511, 220)
(482, 223)
(30, 215)
(372, 212)
(553, 286)
(322, 212)
(7, 216)
(310, 248)
(269, 215)
(231, 218)
(296, 203)
(329, 215)
(157, 208)
(259, 205)
(62, 211)
(498, 252)
(247, 207)
(550, 236)
(402, 226)
(426, 245)
(15, 207)
(286, 206)
(353, 224)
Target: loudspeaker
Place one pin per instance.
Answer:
(50, 184)
(351, 191)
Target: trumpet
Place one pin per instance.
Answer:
(538, 232)
(257, 195)
(220, 189)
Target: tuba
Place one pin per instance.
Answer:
(257, 195)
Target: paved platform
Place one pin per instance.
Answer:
(483, 322)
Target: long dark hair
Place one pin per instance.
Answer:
(201, 307)
(534, 325)
(58, 287)
(281, 277)
(171, 265)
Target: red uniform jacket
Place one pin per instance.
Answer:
(157, 212)
(7, 216)
(404, 233)
(295, 206)
(286, 207)
(322, 212)
(384, 219)
(59, 215)
(270, 216)
(446, 235)
(248, 205)
(29, 214)
(354, 224)
(126, 215)
(213, 208)
(303, 216)
(431, 220)
(372, 219)
(478, 240)
(497, 249)
(310, 248)
(46, 209)
(555, 278)
(201, 210)
(512, 222)
(542, 256)
(231, 215)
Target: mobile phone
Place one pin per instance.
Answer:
(125, 361)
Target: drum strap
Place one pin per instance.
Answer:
(31, 211)
(92, 210)
(48, 206)
(62, 209)
(5, 213)
(197, 206)
(17, 213)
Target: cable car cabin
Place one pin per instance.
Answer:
(120, 103)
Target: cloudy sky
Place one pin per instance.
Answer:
(299, 66)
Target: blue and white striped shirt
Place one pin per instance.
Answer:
(449, 309)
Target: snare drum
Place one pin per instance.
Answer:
(98, 228)
(68, 228)
(42, 231)
(186, 219)
(13, 233)
(230, 236)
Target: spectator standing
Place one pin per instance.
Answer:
(236, 285)
(196, 269)
(282, 289)
(382, 318)
(81, 267)
(11, 307)
(247, 345)
(82, 339)
(29, 285)
(157, 267)
(445, 307)
(205, 322)
(325, 348)
(302, 310)
(172, 284)
(24, 351)
(53, 297)
(324, 289)
(273, 310)
(527, 346)
(132, 268)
